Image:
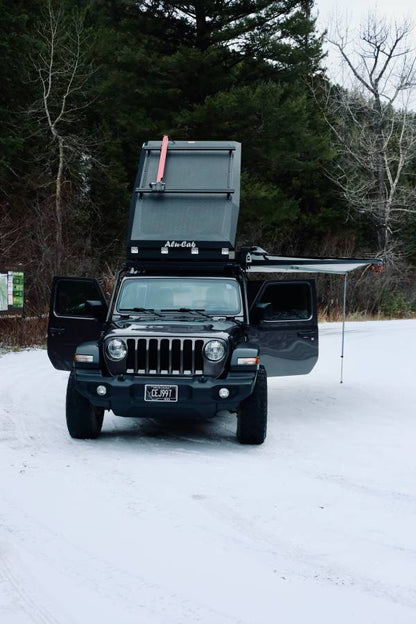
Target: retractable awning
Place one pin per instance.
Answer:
(259, 261)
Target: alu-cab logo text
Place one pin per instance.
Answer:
(180, 244)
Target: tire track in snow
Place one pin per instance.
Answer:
(21, 393)
(17, 435)
(19, 587)
(85, 568)
(370, 490)
(252, 535)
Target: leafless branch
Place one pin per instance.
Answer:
(63, 74)
(375, 142)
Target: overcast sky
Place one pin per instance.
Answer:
(355, 12)
(358, 9)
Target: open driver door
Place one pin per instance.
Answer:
(78, 309)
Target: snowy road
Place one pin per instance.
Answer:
(170, 524)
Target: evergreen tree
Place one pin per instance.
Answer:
(210, 70)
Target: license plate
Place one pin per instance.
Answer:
(160, 393)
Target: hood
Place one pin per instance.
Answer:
(171, 327)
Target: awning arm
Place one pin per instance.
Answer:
(256, 260)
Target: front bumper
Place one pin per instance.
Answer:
(197, 396)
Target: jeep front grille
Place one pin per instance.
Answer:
(165, 356)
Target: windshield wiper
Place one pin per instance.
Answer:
(147, 310)
(182, 310)
(198, 311)
(236, 320)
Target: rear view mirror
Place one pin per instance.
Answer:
(96, 309)
(260, 312)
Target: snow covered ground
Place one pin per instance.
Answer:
(157, 523)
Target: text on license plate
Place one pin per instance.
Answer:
(160, 393)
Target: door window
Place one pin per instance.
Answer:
(287, 301)
(72, 295)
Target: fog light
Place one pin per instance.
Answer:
(224, 393)
(101, 390)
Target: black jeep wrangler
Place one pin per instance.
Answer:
(187, 332)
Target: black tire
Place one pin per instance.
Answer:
(84, 421)
(252, 415)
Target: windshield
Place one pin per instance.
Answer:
(219, 296)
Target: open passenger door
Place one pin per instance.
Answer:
(283, 314)
(78, 309)
(283, 322)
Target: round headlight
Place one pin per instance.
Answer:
(116, 349)
(214, 350)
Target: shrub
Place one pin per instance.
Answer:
(23, 332)
(395, 305)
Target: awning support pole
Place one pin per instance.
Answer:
(159, 185)
(344, 310)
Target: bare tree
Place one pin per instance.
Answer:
(9, 235)
(373, 125)
(63, 72)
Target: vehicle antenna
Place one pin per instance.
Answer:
(344, 308)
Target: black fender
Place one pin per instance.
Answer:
(90, 348)
(245, 350)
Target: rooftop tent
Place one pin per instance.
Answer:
(186, 201)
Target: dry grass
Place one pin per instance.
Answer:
(17, 333)
(335, 315)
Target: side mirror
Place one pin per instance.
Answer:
(260, 312)
(96, 309)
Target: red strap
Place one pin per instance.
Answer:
(162, 160)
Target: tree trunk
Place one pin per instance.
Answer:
(58, 203)
(202, 42)
(383, 227)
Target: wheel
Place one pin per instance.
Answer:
(252, 415)
(82, 419)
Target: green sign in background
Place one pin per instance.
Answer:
(18, 289)
(12, 285)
